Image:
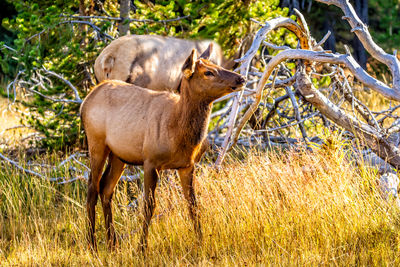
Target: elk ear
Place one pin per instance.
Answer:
(190, 64)
(207, 53)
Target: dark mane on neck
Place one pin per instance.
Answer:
(193, 114)
(178, 88)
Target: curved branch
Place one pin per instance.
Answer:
(120, 19)
(376, 141)
(245, 64)
(270, 25)
(347, 60)
(361, 30)
(97, 29)
(77, 97)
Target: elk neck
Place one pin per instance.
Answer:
(193, 113)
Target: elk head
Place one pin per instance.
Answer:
(207, 79)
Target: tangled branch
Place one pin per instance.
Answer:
(290, 105)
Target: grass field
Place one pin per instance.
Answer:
(263, 208)
(294, 208)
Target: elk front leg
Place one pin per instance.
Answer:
(186, 176)
(150, 183)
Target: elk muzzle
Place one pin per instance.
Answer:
(239, 83)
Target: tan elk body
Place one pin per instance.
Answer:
(149, 61)
(159, 130)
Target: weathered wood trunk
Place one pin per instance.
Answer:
(123, 26)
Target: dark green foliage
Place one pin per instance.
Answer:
(384, 21)
(6, 37)
(44, 41)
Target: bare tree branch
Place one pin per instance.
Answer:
(130, 19)
(15, 164)
(317, 56)
(333, 103)
(323, 40)
(245, 64)
(376, 141)
(361, 30)
(77, 97)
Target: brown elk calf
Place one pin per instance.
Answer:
(159, 130)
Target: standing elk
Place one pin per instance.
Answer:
(159, 130)
(151, 61)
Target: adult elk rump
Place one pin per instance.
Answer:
(159, 130)
(150, 61)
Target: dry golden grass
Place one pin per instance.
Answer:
(293, 208)
(10, 117)
(269, 208)
(376, 103)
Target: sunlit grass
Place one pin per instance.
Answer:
(7, 117)
(376, 103)
(10, 117)
(291, 208)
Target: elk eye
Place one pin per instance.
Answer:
(208, 73)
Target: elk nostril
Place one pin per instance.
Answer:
(240, 80)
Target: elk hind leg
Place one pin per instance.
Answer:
(97, 159)
(107, 186)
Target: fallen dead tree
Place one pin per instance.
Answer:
(282, 100)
